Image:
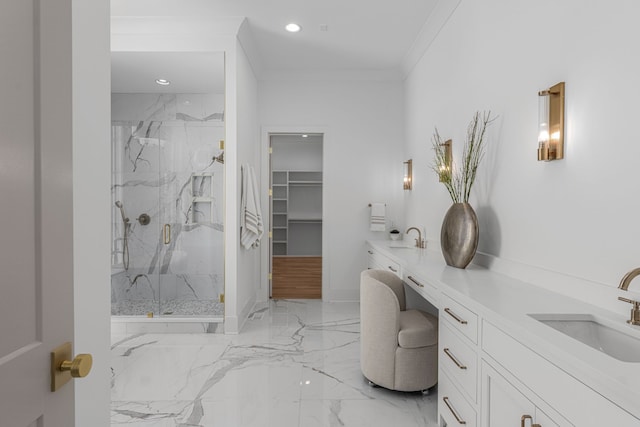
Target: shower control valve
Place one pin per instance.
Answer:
(144, 219)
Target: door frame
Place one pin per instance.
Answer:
(91, 80)
(264, 292)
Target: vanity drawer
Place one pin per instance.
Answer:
(382, 262)
(393, 267)
(459, 360)
(372, 262)
(423, 288)
(452, 406)
(460, 317)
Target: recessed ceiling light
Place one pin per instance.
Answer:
(163, 82)
(293, 28)
(305, 136)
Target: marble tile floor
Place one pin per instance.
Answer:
(295, 363)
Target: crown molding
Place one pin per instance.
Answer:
(248, 44)
(437, 19)
(391, 74)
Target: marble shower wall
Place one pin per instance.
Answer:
(165, 163)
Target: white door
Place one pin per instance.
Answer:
(36, 275)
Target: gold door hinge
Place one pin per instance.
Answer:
(270, 150)
(270, 277)
(271, 234)
(222, 298)
(271, 192)
(221, 144)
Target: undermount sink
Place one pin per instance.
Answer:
(617, 341)
(400, 246)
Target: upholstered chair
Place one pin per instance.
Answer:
(399, 347)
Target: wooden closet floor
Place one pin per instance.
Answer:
(296, 277)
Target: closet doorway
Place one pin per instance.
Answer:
(296, 215)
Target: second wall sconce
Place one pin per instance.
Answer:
(408, 174)
(445, 169)
(551, 123)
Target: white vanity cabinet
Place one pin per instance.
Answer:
(544, 383)
(457, 364)
(503, 405)
(379, 261)
(498, 369)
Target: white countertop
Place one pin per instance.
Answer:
(507, 301)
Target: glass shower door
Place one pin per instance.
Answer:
(191, 268)
(168, 200)
(135, 193)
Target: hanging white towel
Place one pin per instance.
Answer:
(378, 216)
(251, 226)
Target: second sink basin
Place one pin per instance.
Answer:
(596, 333)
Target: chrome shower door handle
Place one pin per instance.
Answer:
(166, 234)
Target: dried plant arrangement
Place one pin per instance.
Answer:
(459, 181)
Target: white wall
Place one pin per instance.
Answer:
(577, 216)
(91, 207)
(362, 161)
(248, 279)
(296, 155)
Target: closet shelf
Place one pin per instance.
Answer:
(305, 183)
(297, 205)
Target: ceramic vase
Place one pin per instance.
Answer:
(459, 235)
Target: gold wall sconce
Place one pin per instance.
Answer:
(445, 169)
(551, 123)
(408, 174)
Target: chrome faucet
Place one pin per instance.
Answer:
(624, 285)
(419, 241)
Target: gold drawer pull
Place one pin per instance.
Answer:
(452, 357)
(455, 414)
(528, 417)
(452, 314)
(393, 269)
(415, 281)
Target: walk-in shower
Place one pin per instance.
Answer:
(168, 176)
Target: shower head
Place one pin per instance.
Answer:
(121, 207)
(219, 158)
